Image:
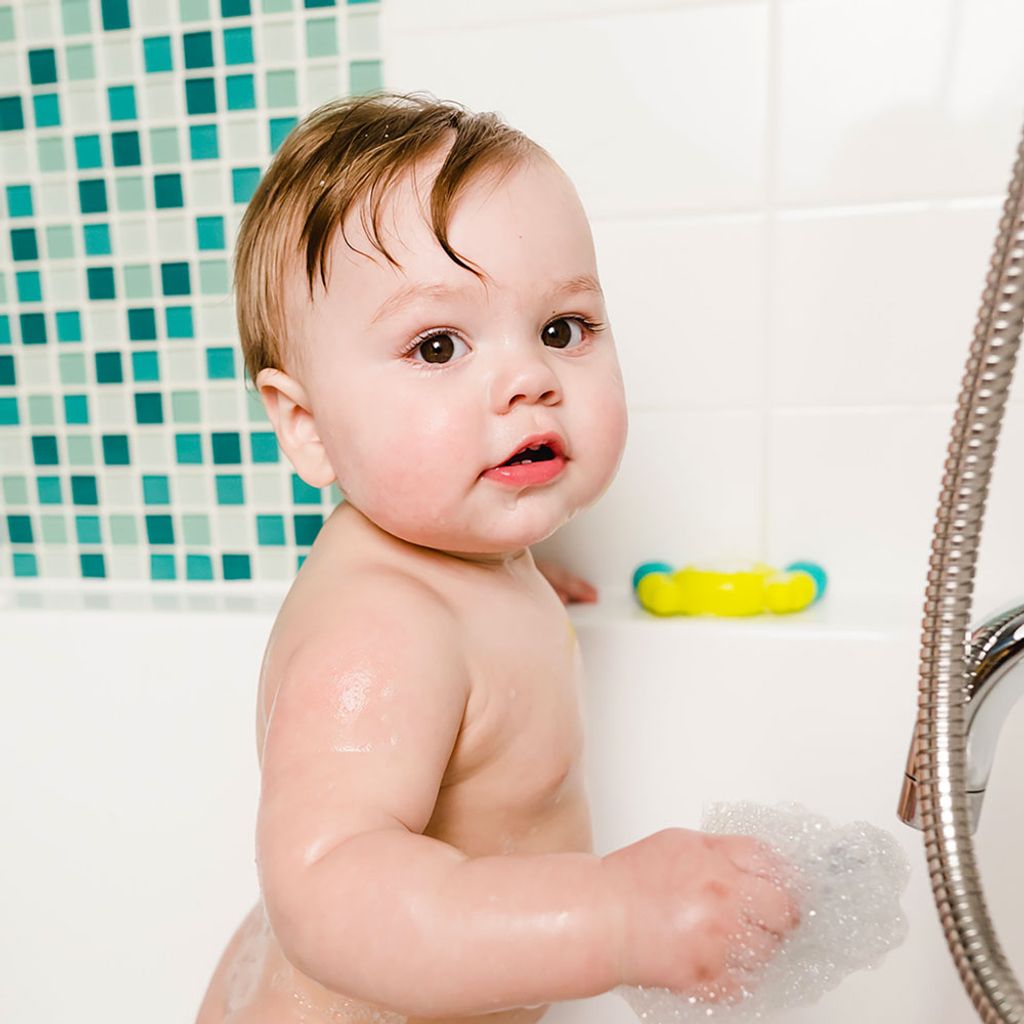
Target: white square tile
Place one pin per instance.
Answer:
(217, 320)
(277, 42)
(689, 488)
(10, 72)
(856, 490)
(152, 447)
(193, 490)
(117, 59)
(876, 307)
(686, 301)
(120, 486)
(244, 139)
(54, 198)
(658, 110)
(132, 236)
(206, 187)
(160, 99)
(323, 84)
(65, 285)
(173, 235)
(106, 326)
(82, 107)
(860, 85)
(15, 158)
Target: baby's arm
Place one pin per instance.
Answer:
(358, 898)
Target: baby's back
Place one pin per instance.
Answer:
(513, 779)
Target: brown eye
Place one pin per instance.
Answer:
(559, 333)
(437, 349)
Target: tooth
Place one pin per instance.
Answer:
(526, 462)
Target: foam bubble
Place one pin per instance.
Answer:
(847, 880)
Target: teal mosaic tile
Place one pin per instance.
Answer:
(135, 137)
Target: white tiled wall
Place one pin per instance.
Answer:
(794, 204)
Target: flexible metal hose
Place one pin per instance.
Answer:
(991, 984)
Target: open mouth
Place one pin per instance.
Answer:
(538, 453)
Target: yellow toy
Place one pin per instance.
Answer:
(748, 589)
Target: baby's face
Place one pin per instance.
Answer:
(411, 424)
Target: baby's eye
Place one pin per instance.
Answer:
(559, 333)
(437, 348)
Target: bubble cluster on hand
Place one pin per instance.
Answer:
(847, 881)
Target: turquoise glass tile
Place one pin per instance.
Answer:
(264, 447)
(84, 491)
(210, 233)
(97, 239)
(75, 14)
(163, 145)
(40, 410)
(92, 195)
(125, 146)
(5, 329)
(76, 409)
(115, 14)
(321, 37)
(87, 530)
(28, 285)
(236, 567)
(157, 54)
(121, 102)
(60, 243)
(108, 368)
(93, 566)
(11, 117)
(179, 322)
(8, 375)
(6, 24)
(227, 448)
(142, 324)
(69, 325)
(149, 407)
(188, 449)
(270, 530)
(203, 142)
(167, 191)
(198, 567)
(364, 76)
(87, 151)
(174, 279)
(72, 368)
(19, 200)
(238, 46)
(8, 413)
(156, 490)
(235, 8)
(240, 92)
(19, 530)
(80, 63)
(123, 529)
(279, 127)
(200, 96)
(229, 489)
(145, 366)
(23, 244)
(100, 282)
(194, 10)
(198, 48)
(46, 108)
(131, 194)
(44, 451)
(42, 66)
(23, 563)
(220, 363)
(49, 490)
(303, 493)
(243, 183)
(51, 154)
(159, 529)
(161, 567)
(115, 450)
(306, 528)
(33, 328)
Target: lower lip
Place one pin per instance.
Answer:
(523, 475)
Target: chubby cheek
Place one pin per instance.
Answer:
(416, 466)
(600, 438)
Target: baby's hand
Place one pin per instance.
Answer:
(701, 911)
(568, 587)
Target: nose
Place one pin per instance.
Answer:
(525, 374)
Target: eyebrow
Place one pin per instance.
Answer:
(409, 293)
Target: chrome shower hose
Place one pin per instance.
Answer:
(990, 982)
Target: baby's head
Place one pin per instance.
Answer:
(456, 314)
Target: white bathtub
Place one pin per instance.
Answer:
(129, 782)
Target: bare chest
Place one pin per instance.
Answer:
(514, 781)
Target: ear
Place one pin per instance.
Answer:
(288, 408)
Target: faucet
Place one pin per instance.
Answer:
(994, 658)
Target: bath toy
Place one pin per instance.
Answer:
(733, 590)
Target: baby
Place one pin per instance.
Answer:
(423, 840)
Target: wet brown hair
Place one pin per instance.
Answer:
(346, 150)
